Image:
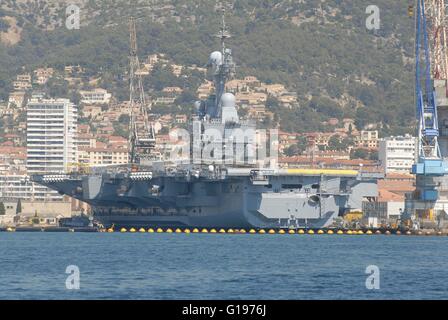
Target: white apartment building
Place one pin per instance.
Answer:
(398, 154)
(100, 96)
(15, 187)
(51, 139)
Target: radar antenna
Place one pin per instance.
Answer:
(224, 33)
(141, 132)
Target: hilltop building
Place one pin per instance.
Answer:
(368, 139)
(42, 75)
(96, 96)
(17, 99)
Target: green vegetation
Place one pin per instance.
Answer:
(325, 54)
(19, 207)
(339, 144)
(4, 25)
(365, 154)
(298, 148)
(124, 119)
(121, 129)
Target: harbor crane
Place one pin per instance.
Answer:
(430, 160)
(141, 131)
(430, 166)
(437, 28)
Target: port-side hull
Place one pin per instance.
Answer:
(232, 202)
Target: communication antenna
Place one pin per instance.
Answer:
(224, 33)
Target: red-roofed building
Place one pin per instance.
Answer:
(106, 130)
(392, 191)
(118, 142)
(83, 128)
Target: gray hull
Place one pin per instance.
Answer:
(242, 200)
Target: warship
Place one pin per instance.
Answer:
(223, 177)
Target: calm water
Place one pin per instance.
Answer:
(201, 266)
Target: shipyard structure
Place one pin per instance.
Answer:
(427, 206)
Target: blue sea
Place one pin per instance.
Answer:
(215, 266)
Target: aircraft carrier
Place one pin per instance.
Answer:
(220, 181)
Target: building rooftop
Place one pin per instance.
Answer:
(388, 196)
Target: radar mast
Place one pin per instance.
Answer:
(224, 66)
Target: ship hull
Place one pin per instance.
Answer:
(227, 221)
(219, 201)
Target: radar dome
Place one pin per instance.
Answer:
(216, 58)
(229, 113)
(228, 100)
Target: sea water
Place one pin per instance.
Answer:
(221, 266)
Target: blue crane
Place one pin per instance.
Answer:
(430, 162)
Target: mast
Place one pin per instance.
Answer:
(226, 69)
(224, 33)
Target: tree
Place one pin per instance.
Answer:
(120, 130)
(57, 88)
(359, 154)
(75, 97)
(164, 130)
(334, 143)
(124, 119)
(4, 25)
(373, 155)
(302, 144)
(292, 150)
(272, 103)
(347, 142)
(35, 219)
(19, 207)
(187, 97)
(2, 209)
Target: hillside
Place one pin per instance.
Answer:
(319, 49)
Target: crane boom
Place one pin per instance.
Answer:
(141, 132)
(436, 15)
